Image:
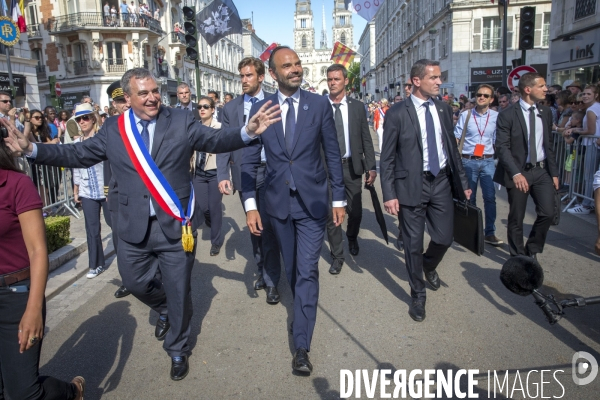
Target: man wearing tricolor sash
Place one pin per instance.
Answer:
(156, 198)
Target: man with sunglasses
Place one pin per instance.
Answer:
(7, 111)
(478, 126)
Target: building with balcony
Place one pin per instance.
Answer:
(574, 32)
(465, 36)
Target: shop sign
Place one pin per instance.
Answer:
(18, 82)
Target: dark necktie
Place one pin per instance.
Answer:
(532, 143)
(290, 124)
(339, 127)
(145, 133)
(253, 100)
(290, 129)
(432, 149)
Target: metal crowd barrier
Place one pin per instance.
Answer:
(577, 163)
(54, 185)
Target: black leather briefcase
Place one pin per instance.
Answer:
(468, 226)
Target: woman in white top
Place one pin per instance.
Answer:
(591, 126)
(206, 187)
(89, 191)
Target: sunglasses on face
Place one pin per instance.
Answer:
(576, 102)
(37, 117)
(205, 106)
(5, 101)
(82, 118)
(487, 96)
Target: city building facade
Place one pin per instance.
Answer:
(465, 36)
(574, 34)
(368, 61)
(316, 59)
(24, 73)
(254, 46)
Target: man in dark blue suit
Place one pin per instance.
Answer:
(235, 113)
(296, 194)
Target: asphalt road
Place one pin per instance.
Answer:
(242, 349)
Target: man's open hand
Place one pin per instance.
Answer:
(16, 141)
(265, 117)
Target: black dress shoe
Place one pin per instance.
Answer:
(433, 279)
(122, 292)
(417, 310)
(353, 246)
(272, 295)
(260, 284)
(214, 250)
(179, 368)
(162, 327)
(336, 266)
(300, 362)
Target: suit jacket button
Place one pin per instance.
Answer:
(287, 182)
(291, 161)
(145, 196)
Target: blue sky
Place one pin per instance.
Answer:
(274, 20)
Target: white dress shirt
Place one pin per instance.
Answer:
(247, 107)
(344, 111)
(250, 204)
(539, 131)
(438, 131)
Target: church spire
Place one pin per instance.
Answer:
(324, 31)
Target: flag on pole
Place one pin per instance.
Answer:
(267, 53)
(217, 20)
(4, 8)
(365, 8)
(17, 16)
(342, 54)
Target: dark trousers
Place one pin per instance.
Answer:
(300, 238)
(19, 377)
(91, 210)
(264, 247)
(437, 209)
(541, 189)
(209, 199)
(353, 186)
(157, 272)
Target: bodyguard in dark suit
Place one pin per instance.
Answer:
(420, 171)
(185, 100)
(149, 238)
(358, 157)
(235, 112)
(527, 164)
(297, 190)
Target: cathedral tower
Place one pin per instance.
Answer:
(342, 24)
(304, 32)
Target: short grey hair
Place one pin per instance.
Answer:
(418, 68)
(182, 85)
(137, 73)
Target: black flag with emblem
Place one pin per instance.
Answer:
(217, 20)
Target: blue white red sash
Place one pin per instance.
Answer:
(381, 113)
(145, 166)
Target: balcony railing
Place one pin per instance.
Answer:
(116, 65)
(83, 20)
(41, 71)
(177, 37)
(80, 67)
(34, 31)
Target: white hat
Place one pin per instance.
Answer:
(82, 109)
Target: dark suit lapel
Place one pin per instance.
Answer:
(160, 130)
(240, 110)
(303, 109)
(412, 113)
(521, 119)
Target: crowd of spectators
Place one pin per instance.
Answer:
(128, 14)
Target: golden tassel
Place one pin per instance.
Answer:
(187, 239)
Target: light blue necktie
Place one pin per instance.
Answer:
(145, 134)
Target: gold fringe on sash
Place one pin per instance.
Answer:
(187, 239)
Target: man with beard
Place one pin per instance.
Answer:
(297, 190)
(235, 112)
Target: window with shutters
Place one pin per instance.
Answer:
(584, 8)
(542, 30)
(510, 32)
(432, 49)
(303, 41)
(492, 34)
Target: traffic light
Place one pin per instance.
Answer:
(191, 32)
(527, 28)
(55, 101)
